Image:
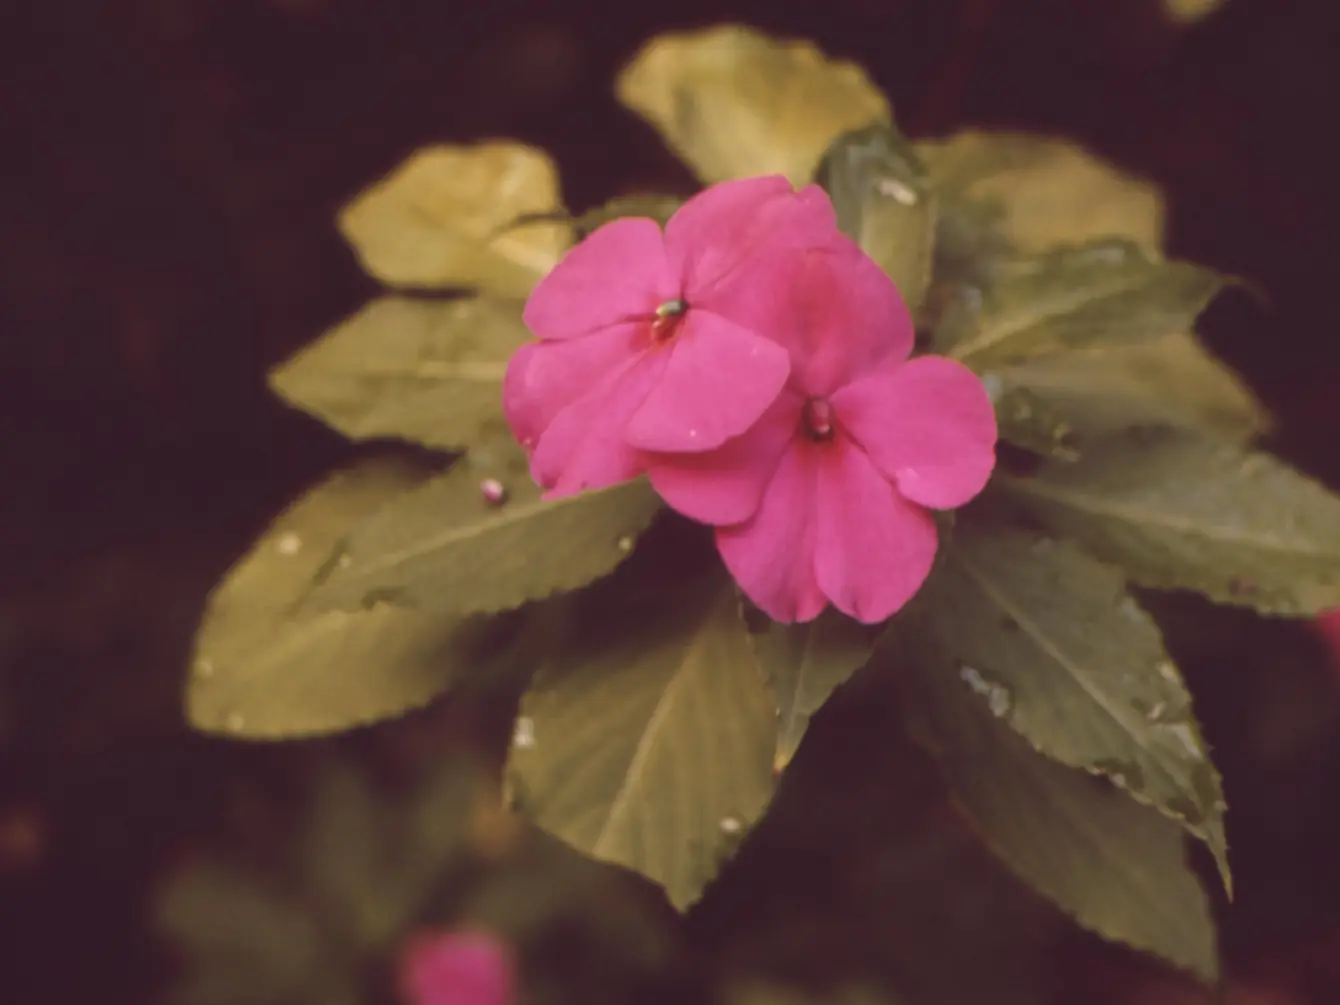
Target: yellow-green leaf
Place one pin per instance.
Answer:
(654, 207)
(1116, 866)
(1178, 510)
(1173, 380)
(446, 548)
(1104, 293)
(884, 202)
(805, 664)
(1044, 192)
(647, 740)
(265, 668)
(732, 102)
(426, 371)
(1057, 649)
(448, 215)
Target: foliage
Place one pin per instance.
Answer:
(659, 711)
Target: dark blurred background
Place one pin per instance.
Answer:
(171, 173)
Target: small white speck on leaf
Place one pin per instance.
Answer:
(289, 544)
(523, 733)
(897, 191)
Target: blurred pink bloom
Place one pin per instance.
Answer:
(1328, 625)
(456, 968)
(659, 341)
(825, 499)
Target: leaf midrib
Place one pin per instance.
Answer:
(1031, 628)
(1190, 525)
(495, 522)
(1007, 330)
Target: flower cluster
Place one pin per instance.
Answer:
(752, 362)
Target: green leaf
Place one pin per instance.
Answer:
(1117, 867)
(445, 548)
(805, 663)
(884, 203)
(1074, 298)
(732, 102)
(448, 217)
(1058, 650)
(1178, 510)
(1089, 394)
(265, 668)
(655, 207)
(1028, 420)
(1033, 192)
(426, 371)
(648, 739)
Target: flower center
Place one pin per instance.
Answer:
(818, 419)
(666, 320)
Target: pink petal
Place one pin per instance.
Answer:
(834, 310)
(543, 378)
(718, 380)
(873, 548)
(619, 272)
(456, 968)
(726, 226)
(584, 447)
(724, 486)
(927, 424)
(772, 556)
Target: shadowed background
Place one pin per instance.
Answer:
(173, 168)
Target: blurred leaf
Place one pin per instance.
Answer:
(359, 865)
(1114, 865)
(1043, 192)
(648, 740)
(656, 207)
(1172, 380)
(1187, 12)
(1103, 293)
(265, 669)
(444, 547)
(1058, 650)
(448, 216)
(805, 663)
(1178, 510)
(244, 942)
(732, 102)
(427, 371)
(884, 202)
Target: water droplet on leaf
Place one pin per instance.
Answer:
(235, 722)
(897, 191)
(523, 734)
(493, 491)
(998, 697)
(625, 543)
(731, 825)
(289, 544)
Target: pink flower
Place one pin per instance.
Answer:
(456, 968)
(825, 499)
(659, 341)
